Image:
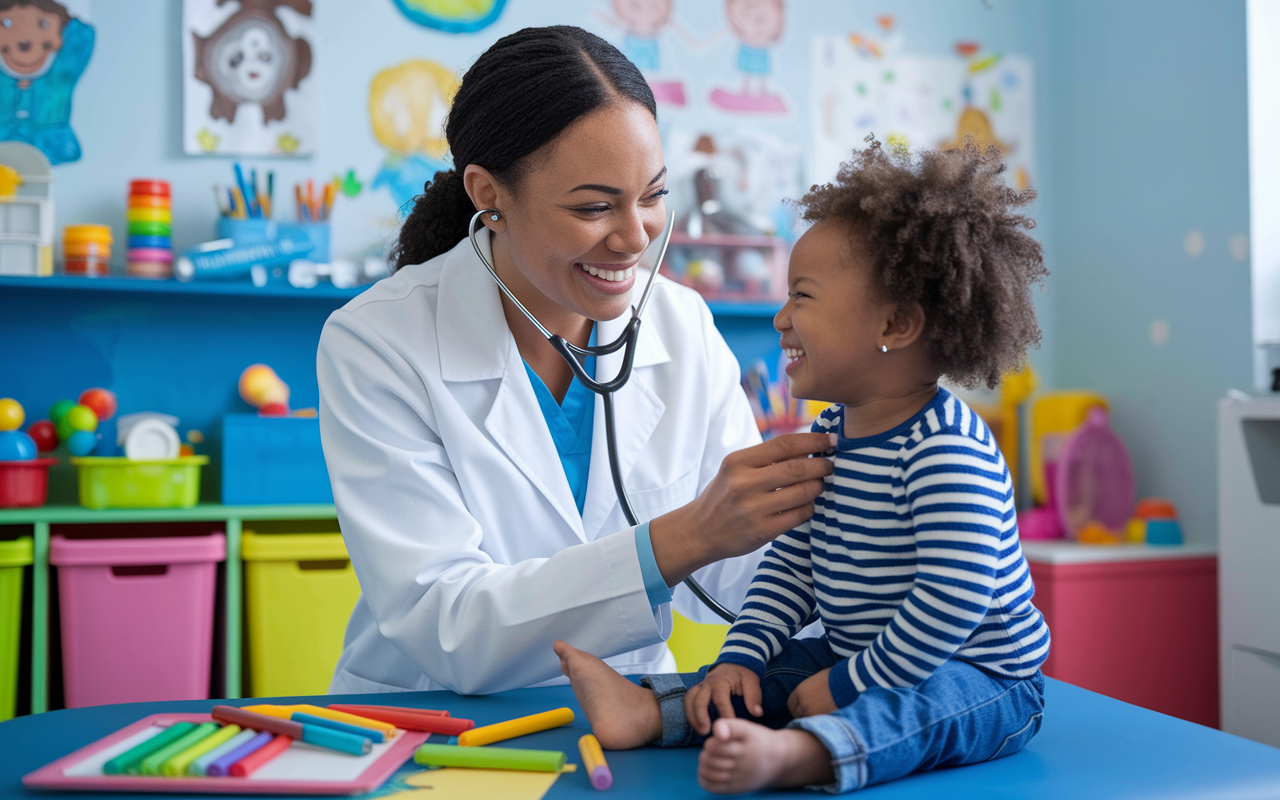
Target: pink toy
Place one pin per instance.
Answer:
(137, 617)
(1090, 480)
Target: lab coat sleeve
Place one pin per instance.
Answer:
(470, 624)
(730, 426)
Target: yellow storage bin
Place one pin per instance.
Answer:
(14, 556)
(300, 589)
(694, 644)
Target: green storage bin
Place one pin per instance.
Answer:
(300, 589)
(121, 483)
(14, 556)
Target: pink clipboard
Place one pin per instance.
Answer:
(293, 772)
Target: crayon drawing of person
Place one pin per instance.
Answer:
(757, 24)
(642, 21)
(407, 107)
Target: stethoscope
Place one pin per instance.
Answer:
(574, 355)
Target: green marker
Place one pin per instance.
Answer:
(152, 763)
(127, 762)
(448, 755)
(178, 765)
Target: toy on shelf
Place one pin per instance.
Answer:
(86, 250)
(729, 267)
(1154, 522)
(26, 211)
(262, 388)
(24, 477)
(1090, 486)
(150, 217)
(76, 424)
(149, 436)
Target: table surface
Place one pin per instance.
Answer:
(1063, 551)
(1090, 746)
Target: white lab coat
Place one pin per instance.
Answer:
(470, 550)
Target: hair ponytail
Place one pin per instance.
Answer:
(519, 95)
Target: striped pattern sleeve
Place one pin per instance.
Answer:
(779, 603)
(960, 498)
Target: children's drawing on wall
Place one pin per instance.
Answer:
(859, 86)
(407, 108)
(757, 25)
(452, 16)
(247, 68)
(642, 23)
(43, 52)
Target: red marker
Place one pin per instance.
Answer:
(410, 719)
(246, 766)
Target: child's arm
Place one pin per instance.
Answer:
(960, 497)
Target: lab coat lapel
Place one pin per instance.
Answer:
(476, 344)
(637, 411)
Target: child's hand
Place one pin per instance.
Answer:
(812, 696)
(721, 683)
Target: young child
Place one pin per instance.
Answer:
(914, 269)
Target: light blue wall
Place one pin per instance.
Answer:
(1148, 116)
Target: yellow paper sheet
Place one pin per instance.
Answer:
(478, 784)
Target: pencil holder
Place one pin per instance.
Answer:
(14, 555)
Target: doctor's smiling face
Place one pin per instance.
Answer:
(579, 217)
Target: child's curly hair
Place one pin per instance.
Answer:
(941, 232)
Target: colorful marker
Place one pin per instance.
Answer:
(200, 766)
(410, 720)
(152, 763)
(220, 766)
(370, 711)
(246, 766)
(593, 762)
(127, 762)
(311, 734)
(515, 727)
(448, 755)
(312, 719)
(179, 764)
(287, 712)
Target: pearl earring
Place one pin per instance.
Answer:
(884, 348)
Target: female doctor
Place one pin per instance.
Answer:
(469, 466)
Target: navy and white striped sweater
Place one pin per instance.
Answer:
(911, 558)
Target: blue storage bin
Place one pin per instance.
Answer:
(273, 460)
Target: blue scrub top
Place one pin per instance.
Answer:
(570, 424)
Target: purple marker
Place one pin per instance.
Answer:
(222, 766)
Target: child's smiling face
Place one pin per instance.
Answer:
(832, 323)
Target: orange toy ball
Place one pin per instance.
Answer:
(259, 386)
(102, 401)
(1155, 508)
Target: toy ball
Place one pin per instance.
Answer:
(63, 429)
(44, 435)
(58, 411)
(11, 414)
(82, 418)
(16, 446)
(260, 386)
(102, 401)
(81, 443)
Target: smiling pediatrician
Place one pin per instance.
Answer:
(468, 464)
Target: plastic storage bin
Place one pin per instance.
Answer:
(24, 484)
(14, 555)
(273, 460)
(137, 617)
(120, 483)
(300, 589)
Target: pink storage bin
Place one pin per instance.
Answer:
(137, 617)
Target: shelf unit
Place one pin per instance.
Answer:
(232, 517)
(171, 286)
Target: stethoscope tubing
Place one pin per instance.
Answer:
(572, 353)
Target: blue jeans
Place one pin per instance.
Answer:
(960, 715)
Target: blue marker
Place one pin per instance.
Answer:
(312, 719)
(244, 190)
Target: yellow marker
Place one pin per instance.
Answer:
(286, 712)
(515, 727)
(593, 762)
(178, 765)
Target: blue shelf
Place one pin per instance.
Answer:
(154, 286)
(724, 309)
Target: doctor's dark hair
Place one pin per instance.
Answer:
(942, 229)
(519, 95)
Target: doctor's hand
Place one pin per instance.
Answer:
(721, 683)
(759, 493)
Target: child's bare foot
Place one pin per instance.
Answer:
(622, 715)
(742, 756)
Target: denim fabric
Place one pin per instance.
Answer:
(960, 715)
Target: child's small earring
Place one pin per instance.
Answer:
(884, 348)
